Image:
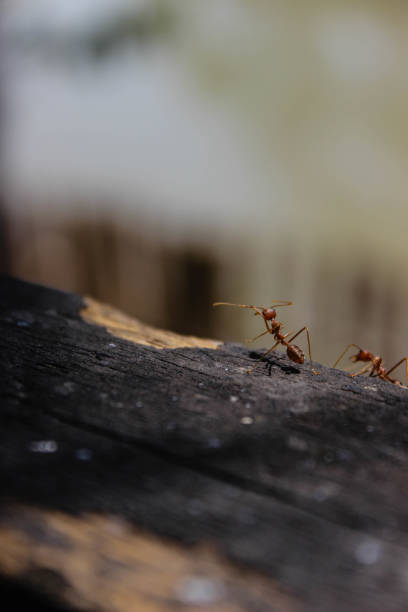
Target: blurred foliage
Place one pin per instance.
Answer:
(142, 27)
(135, 25)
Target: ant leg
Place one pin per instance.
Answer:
(259, 336)
(268, 329)
(362, 371)
(376, 371)
(306, 329)
(396, 366)
(263, 356)
(344, 352)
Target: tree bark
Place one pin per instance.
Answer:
(143, 470)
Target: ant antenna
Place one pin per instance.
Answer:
(274, 304)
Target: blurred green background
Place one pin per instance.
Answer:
(161, 155)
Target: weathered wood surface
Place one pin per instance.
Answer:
(143, 478)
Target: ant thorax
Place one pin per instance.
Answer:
(276, 326)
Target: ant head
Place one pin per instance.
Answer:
(361, 356)
(269, 314)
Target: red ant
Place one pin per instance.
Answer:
(274, 327)
(375, 363)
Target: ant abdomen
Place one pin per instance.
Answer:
(295, 353)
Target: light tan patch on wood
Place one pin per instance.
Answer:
(119, 324)
(102, 563)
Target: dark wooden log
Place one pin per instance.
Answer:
(142, 470)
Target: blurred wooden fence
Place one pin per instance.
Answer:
(172, 285)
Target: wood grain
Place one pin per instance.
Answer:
(281, 481)
(105, 564)
(122, 326)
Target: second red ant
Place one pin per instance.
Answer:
(375, 362)
(274, 327)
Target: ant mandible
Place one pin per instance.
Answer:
(375, 362)
(274, 327)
